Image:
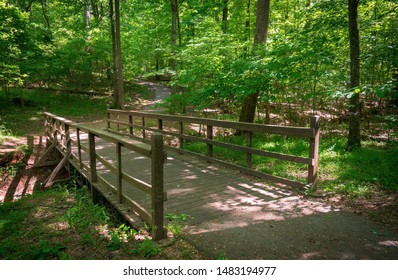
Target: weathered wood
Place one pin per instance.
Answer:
(136, 146)
(254, 151)
(48, 151)
(252, 172)
(108, 123)
(119, 184)
(61, 126)
(143, 127)
(131, 122)
(314, 151)
(249, 128)
(145, 187)
(209, 134)
(93, 157)
(107, 164)
(79, 147)
(262, 128)
(157, 161)
(50, 180)
(141, 211)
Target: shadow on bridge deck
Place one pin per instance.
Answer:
(243, 218)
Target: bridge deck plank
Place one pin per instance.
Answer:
(194, 187)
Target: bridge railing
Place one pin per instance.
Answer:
(67, 136)
(139, 125)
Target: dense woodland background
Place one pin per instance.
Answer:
(274, 62)
(265, 61)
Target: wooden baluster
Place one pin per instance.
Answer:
(79, 148)
(119, 185)
(131, 124)
(143, 127)
(313, 151)
(93, 157)
(160, 124)
(109, 120)
(209, 134)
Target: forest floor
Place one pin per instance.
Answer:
(370, 222)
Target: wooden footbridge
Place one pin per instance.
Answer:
(126, 162)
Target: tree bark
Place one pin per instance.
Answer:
(114, 8)
(87, 13)
(354, 132)
(174, 31)
(225, 16)
(249, 105)
(248, 19)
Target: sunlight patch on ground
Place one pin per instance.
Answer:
(389, 243)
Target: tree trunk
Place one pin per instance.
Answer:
(262, 19)
(87, 10)
(354, 133)
(117, 54)
(174, 31)
(249, 105)
(225, 16)
(248, 19)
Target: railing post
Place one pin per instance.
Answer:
(209, 134)
(79, 147)
(313, 151)
(93, 157)
(160, 124)
(108, 120)
(68, 145)
(143, 128)
(131, 124)
(119, 185)
(54, 130)
(157, 162)
(249, 144)
(67, 138)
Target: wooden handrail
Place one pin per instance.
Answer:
(311, 133)
(56, 127)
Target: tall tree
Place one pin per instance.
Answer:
(249, 105)
(114, 12)
(225, 16)
(354, 133)
(175, 31)
(87, 13)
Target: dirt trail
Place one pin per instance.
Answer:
(161, 92)
(293, 227)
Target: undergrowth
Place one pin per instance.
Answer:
(369, 169)
(64, 223)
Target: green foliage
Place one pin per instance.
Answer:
(13, 44)
(29, 118)
(85, 213)
(357, 173)
(147, 248)
(177, 223)
(45, 251)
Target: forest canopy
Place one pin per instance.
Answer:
(205, 48)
